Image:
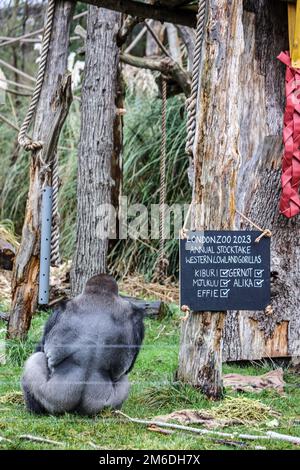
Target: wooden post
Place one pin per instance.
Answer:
(216, 162)
(50, 115)
(294, 33)
(97, 146)
(238, 164)
(253, 335)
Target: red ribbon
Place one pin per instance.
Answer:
(290, 178)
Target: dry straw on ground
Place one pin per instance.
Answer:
(136, 286)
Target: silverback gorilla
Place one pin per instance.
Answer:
(89, 346)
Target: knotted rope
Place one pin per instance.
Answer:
(26, 142)
(290, 178)
(34, 145)
(162, 263)
(192, 100)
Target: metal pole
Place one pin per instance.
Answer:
(45, 252)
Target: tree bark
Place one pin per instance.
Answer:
(26, 269)
(216, 163)
(240, 167)
(96, 148)
(260, 94)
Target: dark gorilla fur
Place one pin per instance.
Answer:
(89, 346)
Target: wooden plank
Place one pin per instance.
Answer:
(182, 16)
(292, 20)
(295, 52)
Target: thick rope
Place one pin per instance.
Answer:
(29, 145)
(26, 142)
(55, 255)
(192, 100)
(162, 264)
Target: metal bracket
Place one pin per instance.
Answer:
(45, 252)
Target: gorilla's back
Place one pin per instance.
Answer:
(97, 334)
(88, 347)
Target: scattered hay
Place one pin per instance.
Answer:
(231, 411)
(245, 410)
(7, 233)
(13, 398)
(140, 81)
(136, 286)
(5, 285)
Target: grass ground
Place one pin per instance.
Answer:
(154, 369)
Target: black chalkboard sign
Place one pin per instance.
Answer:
(224, 270)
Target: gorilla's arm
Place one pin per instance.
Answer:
(133, 335)
(138, 333)
(52, 320)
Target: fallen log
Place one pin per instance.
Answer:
(151, 308)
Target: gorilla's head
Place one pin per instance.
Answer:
(101, 283)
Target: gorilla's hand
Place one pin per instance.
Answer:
(50, 361)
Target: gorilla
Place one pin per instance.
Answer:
(89, 346)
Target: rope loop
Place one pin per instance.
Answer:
(265, 233)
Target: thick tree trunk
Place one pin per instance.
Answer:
(238, 165)
(96, 148)
(254, 335)
(216, 163)
(25, 276)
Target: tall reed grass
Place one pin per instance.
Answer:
(142, 136)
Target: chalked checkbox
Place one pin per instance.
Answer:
(224, 272)
(224, 282)
(224, 292)
(258, 282)
(258, 272)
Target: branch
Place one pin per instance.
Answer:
(15, 92)
(136, 40)
(34, 33)
(9, 123)
(14, 69)
(270, 435)
(29, 437)
(18, 85)
(157, 40)
(166, 66)
(184, 16)
(128, 24)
